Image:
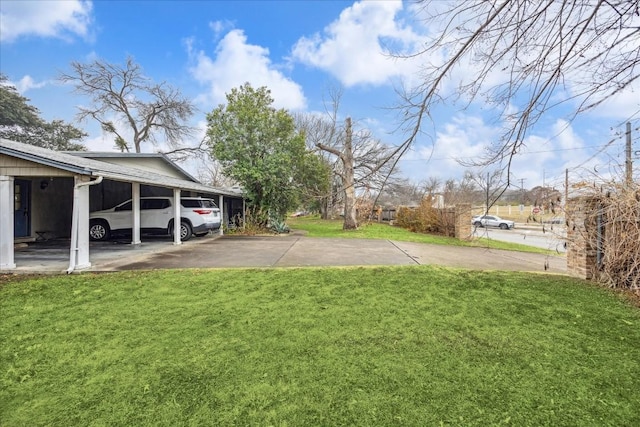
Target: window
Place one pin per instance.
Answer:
(147, 204)
(17, 194)
(124, 207)
(198, 203)
(190, 203)
(207, 203)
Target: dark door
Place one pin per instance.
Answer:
(22, 205)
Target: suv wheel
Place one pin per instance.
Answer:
(477, 224)
(99, 230)
(504, 226)
(185, 231)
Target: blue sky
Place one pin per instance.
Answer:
(300, 50)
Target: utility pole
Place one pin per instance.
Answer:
(628, 162)
(521, 195)
(566, 187)
(545, 195)
(487, 194)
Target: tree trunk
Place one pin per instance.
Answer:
(350, 220)
(324, 207)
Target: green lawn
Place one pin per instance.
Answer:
(316, 227)
(415, 346)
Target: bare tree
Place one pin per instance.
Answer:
(575, 53)
(318, 129)
(463, 191)
(402, 192)
(359, 160)
(490, 183)
(200, 152)
(145, 109)
(211, 173)
(431, 186)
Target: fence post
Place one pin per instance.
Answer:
(582, 251)
(463, 221)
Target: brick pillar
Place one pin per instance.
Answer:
(581, 237)
(463, 221)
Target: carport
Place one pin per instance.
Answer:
(45, 192)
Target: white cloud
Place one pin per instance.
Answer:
(100, 143)
(49, 19)
(464, 138)
(566, 137)
(236, 62)
(622, 106)
(543, 157)
(220, 27)
(27, 83)
(353, 48)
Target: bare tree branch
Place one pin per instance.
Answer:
(146, 109)
(543, 54)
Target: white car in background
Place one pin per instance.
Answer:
(492, 221)
(197, 216)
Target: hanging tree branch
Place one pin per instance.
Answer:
(123, 95)
(542, 53)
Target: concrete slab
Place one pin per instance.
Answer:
(277, 251)
(482, 258)
(53, 256)
(326, 251)
(227, 251)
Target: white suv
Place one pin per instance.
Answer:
(492, 221)
(197, 216)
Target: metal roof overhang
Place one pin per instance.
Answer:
(95, 168)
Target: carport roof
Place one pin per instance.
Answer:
(89, 167)
(98, 155)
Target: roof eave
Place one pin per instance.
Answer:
(45, 161)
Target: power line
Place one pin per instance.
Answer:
(523, 153)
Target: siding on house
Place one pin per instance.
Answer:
(12, 166)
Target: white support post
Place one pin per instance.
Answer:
(79, 246)
(222, 220)
(7, 260)
(176, 217)
(135, 211)
(83, 223)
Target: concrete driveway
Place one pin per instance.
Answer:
(280, 251)
(295, 251)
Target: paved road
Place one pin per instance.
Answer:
(552, 238)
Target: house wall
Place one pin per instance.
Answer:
(155, 165)
(111, 193)
(108, 194)
(51, 207)
(12, 166)
(233, 212)
(51, 195)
